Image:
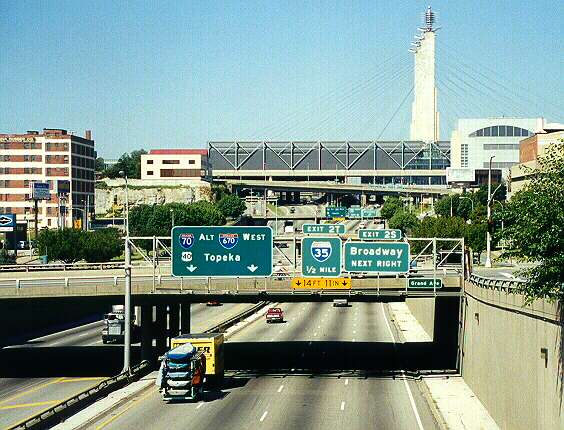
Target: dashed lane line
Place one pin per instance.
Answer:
(280, 388)
(342, 405)
(346, 381)
(263, 416)
(409, 393)
(200, 405)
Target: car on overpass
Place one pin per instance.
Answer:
(274, 315)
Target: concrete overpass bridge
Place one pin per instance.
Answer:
(338, 188)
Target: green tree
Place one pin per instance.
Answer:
(391, 206)
(498, 193)
(62, 245)
(403, 220)
(128, 163)
(476, 237)
(231, 206)
(443, 205)
(534, 219)
(156, 220)
(100, 165)
(101, 245)
(6, 257)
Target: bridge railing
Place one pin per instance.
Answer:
(72, 266)
(507, 285)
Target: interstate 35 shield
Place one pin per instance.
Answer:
(321, 250)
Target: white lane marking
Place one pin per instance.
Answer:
(280, 388)
(346, 381)
(314, 334)
(200, 405)
(409, 393)
(95, 343)
(354, 340)
(354, 331)
(84, 334)
(263, 416)
(279, 331)
(318, 327)
(343, 406)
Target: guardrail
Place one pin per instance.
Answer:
(507, 285)
(234, 320)
(69, 267)
(55, 414)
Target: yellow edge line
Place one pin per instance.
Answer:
(43, 410)
(17, 396)
(29, 405)
(131, 405)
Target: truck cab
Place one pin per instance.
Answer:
(114, 326)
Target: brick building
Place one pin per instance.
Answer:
(53, 156)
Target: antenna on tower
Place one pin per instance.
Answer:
(429, 19)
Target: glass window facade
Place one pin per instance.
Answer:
(501, 131)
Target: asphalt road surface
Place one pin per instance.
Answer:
(23, 397)
(314, 335)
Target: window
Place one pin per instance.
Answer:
(496, 146)
(150, 172)
(179, 173)
(171, 161)
(149, 161)
(191, 161)
(501, 131)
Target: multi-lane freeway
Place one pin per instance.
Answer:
(295, 376)
(23, 397)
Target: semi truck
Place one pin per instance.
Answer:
(194, 363)
(113, 329)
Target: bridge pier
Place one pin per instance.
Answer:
(185, 318)
(160, 329)
(147, 333)
(173, 321)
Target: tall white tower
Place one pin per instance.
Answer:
(424, 114)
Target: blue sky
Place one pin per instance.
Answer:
(177, 74)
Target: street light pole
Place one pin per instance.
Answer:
(488, 234)
(172, 217)
(127, 266)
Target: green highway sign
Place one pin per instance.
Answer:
(382, 257)
(221, 251)
(424, 283)
(324, 228)
(321, 257)
(381, 234)
(357, 212)
(335, 212)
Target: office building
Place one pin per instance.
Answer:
(176, 165)
(54, 156)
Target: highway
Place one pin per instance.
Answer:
(23, 397)
(290, 378)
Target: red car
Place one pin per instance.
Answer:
(274, 315)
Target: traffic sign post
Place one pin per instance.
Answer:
(321, 256)
(222, 251)
(324, 229)
(424, 283)
(377, 257)
(382, 234)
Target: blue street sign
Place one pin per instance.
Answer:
(321, 257)
(7, 222)
(377, 257)
(222, 251)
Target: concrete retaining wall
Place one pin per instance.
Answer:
(423, 310)
(513, 357)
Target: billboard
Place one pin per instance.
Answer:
(460, 174)
(39, 191)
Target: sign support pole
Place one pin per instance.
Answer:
(36, 210)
